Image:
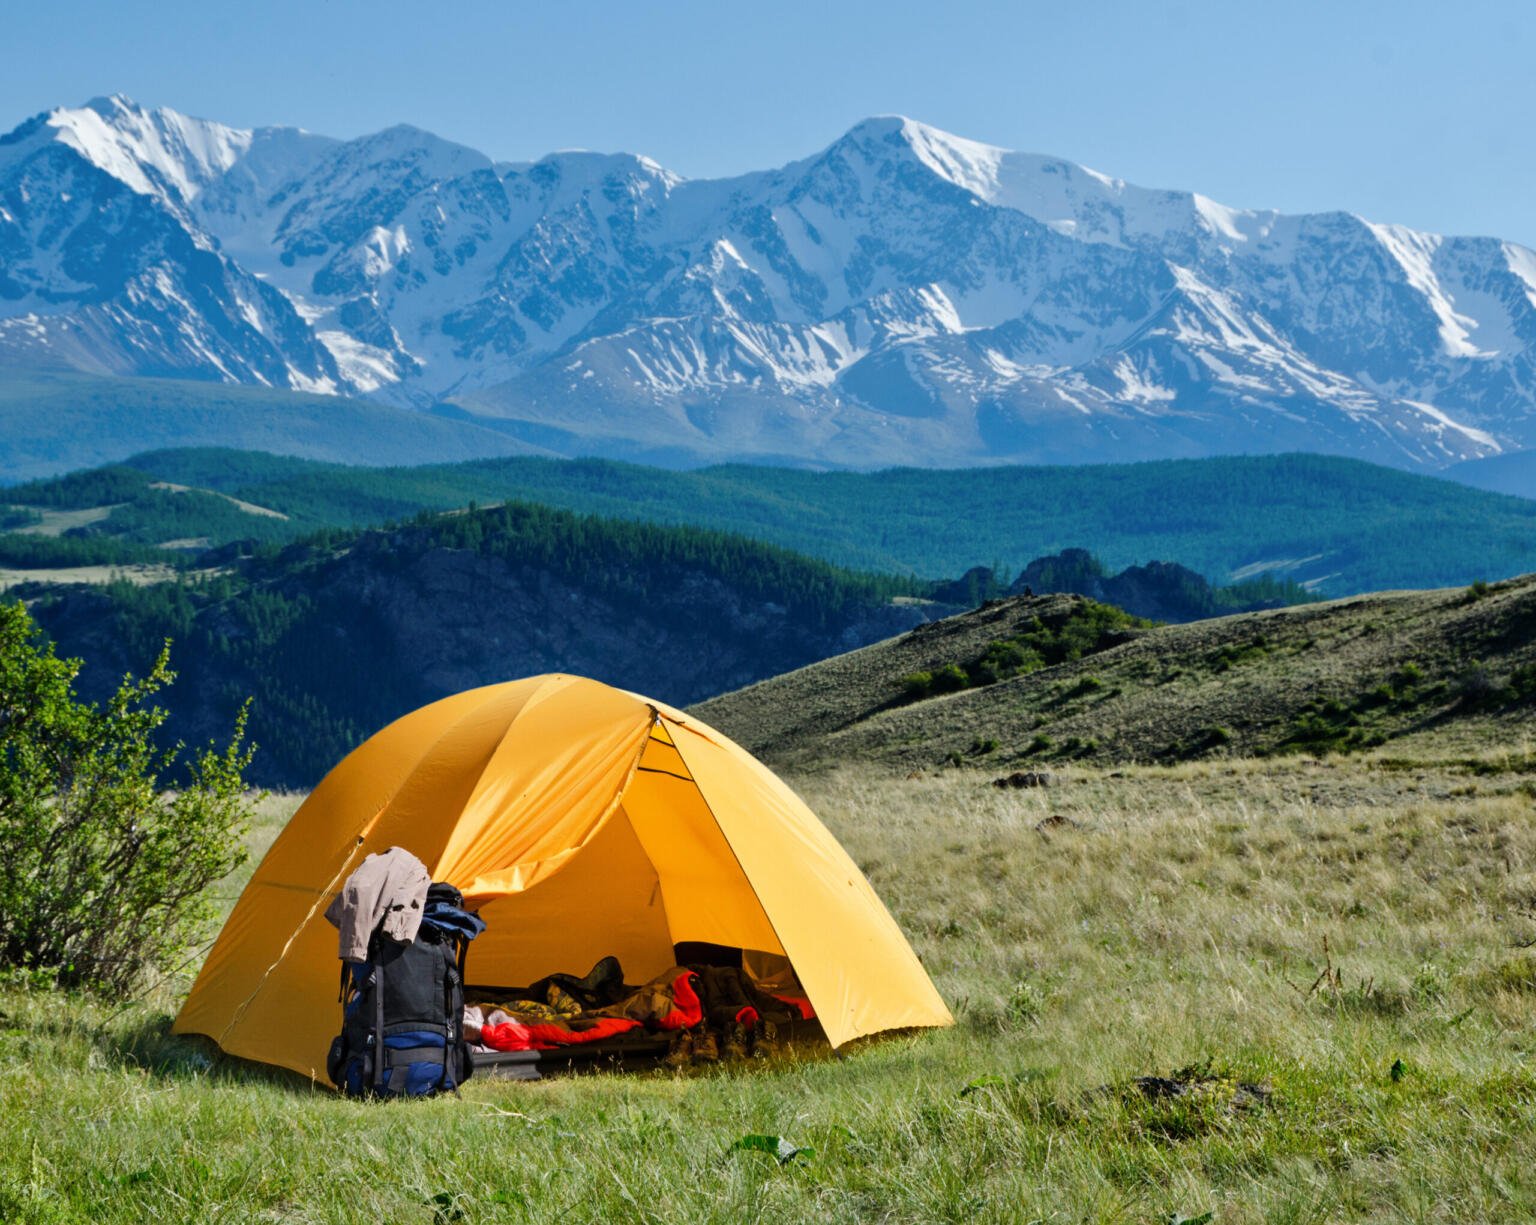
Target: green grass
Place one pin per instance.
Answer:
(1180, 922)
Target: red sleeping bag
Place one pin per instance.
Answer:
(686, 1012)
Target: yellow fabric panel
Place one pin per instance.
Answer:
(423, 783)
(548, 786)
(263, 998)
(855, 965)
(606, 901)
(661, 754)
(707, 895)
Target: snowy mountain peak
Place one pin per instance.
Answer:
(1068, 197)
(906, 295)
(967, 164)
(152, 151)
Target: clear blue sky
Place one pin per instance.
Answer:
(1418, 112)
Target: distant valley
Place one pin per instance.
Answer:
(339, 597)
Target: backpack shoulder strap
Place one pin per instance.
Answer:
(453, 1016)
(379, 1070)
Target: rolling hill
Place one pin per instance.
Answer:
(338, 634)
(1449, 669)
(1336, 525)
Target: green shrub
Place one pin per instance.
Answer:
(917, 685)
(103, 871)
(950, 678)
(1233, 654)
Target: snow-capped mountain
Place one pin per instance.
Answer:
(903, 296)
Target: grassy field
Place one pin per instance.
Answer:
(94, 575)
(1347, 937)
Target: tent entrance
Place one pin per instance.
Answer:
(657, 874)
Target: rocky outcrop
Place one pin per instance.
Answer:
(1159, 590)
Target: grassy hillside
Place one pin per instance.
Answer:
(1444, 670)
(55, 421)
(1351, 941)
(1341, 525)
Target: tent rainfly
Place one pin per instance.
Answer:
(581, 821)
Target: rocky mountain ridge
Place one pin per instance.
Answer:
(902, 296)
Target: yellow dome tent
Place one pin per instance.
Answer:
(581, 821)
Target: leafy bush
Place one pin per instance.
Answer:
(950, 679)
(1214, 737)
(102, 872)
(917, 685)
(1233, 654)
(1330, 725)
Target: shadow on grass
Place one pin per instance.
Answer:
(142, 1043)
(146, 1043)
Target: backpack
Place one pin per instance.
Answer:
(402, 1026)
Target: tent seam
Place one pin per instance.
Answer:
(613, 805)
(745, 875)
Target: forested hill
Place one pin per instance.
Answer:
(338, 634)
(1339, 525)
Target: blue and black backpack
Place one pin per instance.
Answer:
(402, 1019)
